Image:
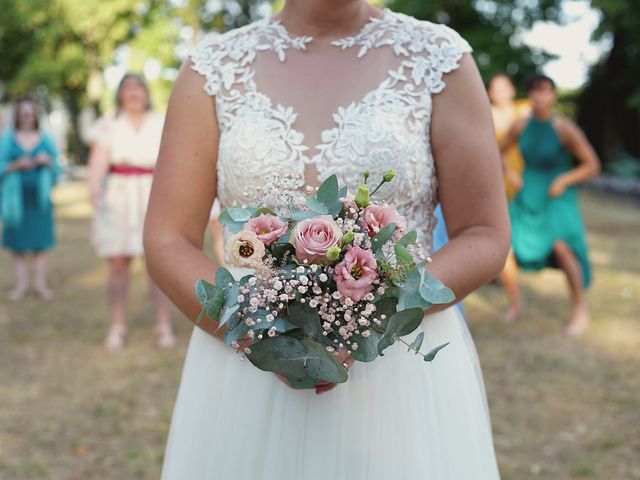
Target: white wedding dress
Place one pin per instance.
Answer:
(367, 107)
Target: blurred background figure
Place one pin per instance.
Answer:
(548, 230)
(28, 171)
(506, 113)
(121, 164)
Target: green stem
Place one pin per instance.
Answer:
(378, 187)
(409, 345)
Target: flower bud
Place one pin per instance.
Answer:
(362, 196)
(347, 238)
(334, 253)
(389, 175)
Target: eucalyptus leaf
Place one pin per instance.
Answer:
(303, 362)
(226, 220)
(306, 318)
(233, 335)
(433, 290)
(409, 238)
(328, 191)
(223, 277)
(240, 214)
(317, 206)
(382, 237)
(303, 215)
(343, 192)
(264, 211)
(402, 254)
(400, 324)
(367, 347)
(227, 313)
(429, 357)
(409, 291)
(211, 297)
(417, 343)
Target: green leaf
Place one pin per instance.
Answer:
(400, 324)
(383, 236)
(433, 290)
(233, 335)
(343, 192)
(385, 306)
(226, 220)
(317, 206)
(211, 297)
(263, 211)
(417, 343)
(224, 277)
(303, 215)
(227, 313)
(409, 238)
(304, 362)
(328, 191)
(402, 254)
(240, 214)
(367, 347)
(429, 357)
(305, 318)
(409, 291)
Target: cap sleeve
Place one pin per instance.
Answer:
(100, 132)
(206, 59)
(447, 47)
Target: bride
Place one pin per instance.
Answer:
(332, 86)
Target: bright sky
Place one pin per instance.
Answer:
(571, 42)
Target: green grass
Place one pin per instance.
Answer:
(562, 408)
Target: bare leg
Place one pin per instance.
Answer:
(117, 290)
(571, 266)
(509, 279)
(166, 338)
(21, 285)
(40, 276)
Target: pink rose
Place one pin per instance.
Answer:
(376, 217)
(268, 228)
(356, 273)
(313, 237)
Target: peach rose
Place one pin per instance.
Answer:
(312, 237)
(356, 273)
(268, 228)
(245, 249)
(376, 217)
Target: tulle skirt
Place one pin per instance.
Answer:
(396, 418)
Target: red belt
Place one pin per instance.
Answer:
(130, 170)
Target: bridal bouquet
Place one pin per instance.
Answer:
(325, 272)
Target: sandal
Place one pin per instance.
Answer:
(166, 338)
(116, 337)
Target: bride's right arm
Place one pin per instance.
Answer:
(184, 186)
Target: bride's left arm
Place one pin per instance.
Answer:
(470, 185)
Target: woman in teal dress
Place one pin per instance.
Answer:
(28, 170)
(548, 230)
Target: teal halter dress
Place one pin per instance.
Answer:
(25, 203)
(539, 221)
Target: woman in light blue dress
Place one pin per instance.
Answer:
(28, 170)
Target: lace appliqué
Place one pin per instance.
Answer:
(387, 128)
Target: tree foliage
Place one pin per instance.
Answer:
(609, 107)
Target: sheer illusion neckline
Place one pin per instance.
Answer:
(342, 42)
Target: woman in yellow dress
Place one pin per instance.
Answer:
(506, 112)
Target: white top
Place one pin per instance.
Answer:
(372, 112)
(127, 145)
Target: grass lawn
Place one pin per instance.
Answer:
(562, 408)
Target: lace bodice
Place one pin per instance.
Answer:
(384, 127)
